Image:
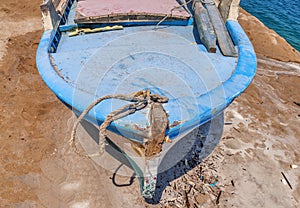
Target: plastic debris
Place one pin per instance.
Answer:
(149, 187)
(213, 184)
(195, 188)
(168, 140)
(294, 166)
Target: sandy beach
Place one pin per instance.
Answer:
(260, 144)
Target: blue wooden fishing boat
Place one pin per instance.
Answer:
(150, 71)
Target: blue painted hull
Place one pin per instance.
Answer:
(200, 87)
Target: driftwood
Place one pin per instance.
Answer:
(205, 27)
(229, 9)
(50, 15)
(224, 40)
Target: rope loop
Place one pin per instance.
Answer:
(139, 99)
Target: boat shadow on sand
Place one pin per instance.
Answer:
(186, 154)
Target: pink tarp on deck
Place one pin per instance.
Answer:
(95, 8)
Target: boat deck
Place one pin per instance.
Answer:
(168, 60)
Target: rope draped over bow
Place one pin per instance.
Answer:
(139, 101)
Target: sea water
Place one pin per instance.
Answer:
(283, 16)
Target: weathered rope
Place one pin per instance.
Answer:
(171, 11)
(140, 100)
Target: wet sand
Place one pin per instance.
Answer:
(38, 168)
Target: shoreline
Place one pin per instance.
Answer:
(267, 42)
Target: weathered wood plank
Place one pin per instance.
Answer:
(229, 9)
(50, 15)
(224, 40)
(205, 27)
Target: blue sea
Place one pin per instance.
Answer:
(283, 16)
